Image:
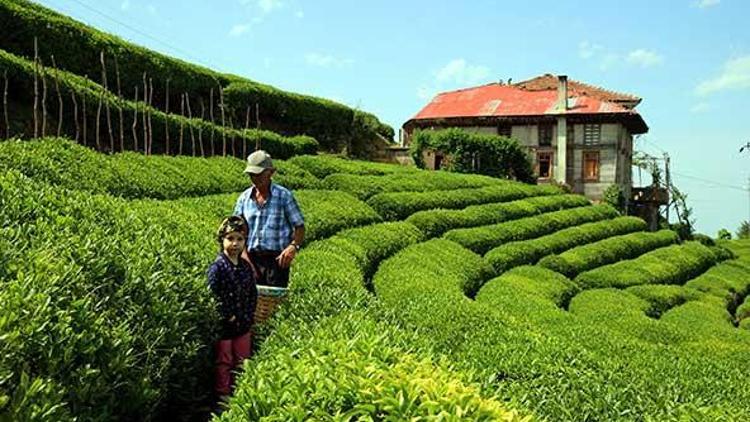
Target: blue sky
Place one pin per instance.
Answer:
(688, 59)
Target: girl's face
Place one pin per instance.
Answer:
(233, 243)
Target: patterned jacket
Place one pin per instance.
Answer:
(234, 288)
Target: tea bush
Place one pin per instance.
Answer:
(483, 238)
(21, 72)
(523, 252)
(324, 165)
(399, 205)
(437, 221)
(607, 251)
(669, 265)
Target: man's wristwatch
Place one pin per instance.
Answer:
(296, 246)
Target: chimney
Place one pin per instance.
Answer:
(562, 92)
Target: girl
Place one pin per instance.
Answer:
(232, 282)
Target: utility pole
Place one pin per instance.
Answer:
(746, 147)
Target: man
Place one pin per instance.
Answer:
(275, 222)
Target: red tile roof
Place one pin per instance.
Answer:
(536, 97)
(575, 88)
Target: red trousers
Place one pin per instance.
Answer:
(230, 353)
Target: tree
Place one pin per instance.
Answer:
(744, 231)
(724, 234)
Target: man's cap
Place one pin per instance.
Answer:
(258, 161)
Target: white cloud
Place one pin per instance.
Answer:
(587, 50)
(239, 29)
(125, 5)
(151, 9)
(736, 75)
(644, 58)
(268, 6)
(459, 72)
(326, 60)
(299, 14)
(700, 108)
(702, 4)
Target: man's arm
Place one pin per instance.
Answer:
(287, 255)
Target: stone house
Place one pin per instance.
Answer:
(577, 134)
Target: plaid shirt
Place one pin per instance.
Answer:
(271, 226)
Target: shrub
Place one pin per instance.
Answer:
(21, 74)
(130, 175)
(544, 285)
(399, 205)
(436, 222)
(522, 252)
(325, 165)
(664, 297)
(607, 251)
(483, 238)
(365, 186)
(669, 265)
(491, 155)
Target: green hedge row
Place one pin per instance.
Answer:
(665, 297)
(365, 186)
(129, 175)
(436, 222)
(105, 311)
(522, 252)
(527, 290)
(76, 48)
(607, 251)
(332, 211)
(334, 124)
(352, 368)
(483, 238)
(726, 280)
(399, 205)
(324, 165)
(215, 138)
(668, 265)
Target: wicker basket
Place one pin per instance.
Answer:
(269, 298)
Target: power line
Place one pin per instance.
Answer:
(137, 31)
(712, 182)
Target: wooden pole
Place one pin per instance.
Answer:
(36, 88)
(200, 127)
(135, 120)
(5, 104)
(98, 116)
(83, 106)
(119, 106)
(150, 104)
(211, 114)
(75, 113)
(166, 120)
(190, 116)
(143, 114)
(44, 99)
(223, 123)
(59, 98)
(106, 104)
(182, 114)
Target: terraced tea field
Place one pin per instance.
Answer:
(416, 294)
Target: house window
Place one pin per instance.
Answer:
(505, 130)
(545, 135)
(591, 166)
(544, 165)
(592, 134)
